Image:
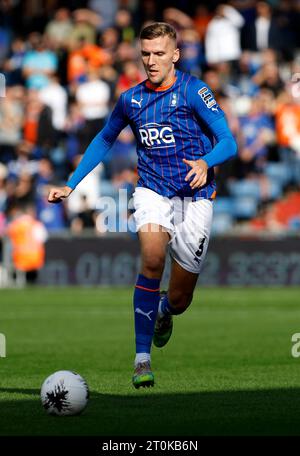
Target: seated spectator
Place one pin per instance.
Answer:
(55, 97)
(85, 217)
(33, 109)
(263, 32)
(201, 20)
(3, 189)
(192, 54)
(178, 19)
(287, 117)
(123, 20)
(257, 131)
(222, 39)
(45, 173)
(23, 164)
(124, 53)
(121, 158)
(82, 57)
(109, 41)
(106, 9)
(38, 125)
(13, 64)
(89, 188)
(269, 78)
(242, 84)
(130, 76)
(24, 192)
(85, 24)
(213, 80)
(60, 28)
(53, 216)
(39, 63)
(11, 122)
(93, 97)
(74, 125)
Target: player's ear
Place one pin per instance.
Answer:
(176, 55)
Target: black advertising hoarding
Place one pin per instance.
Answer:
(91, 261)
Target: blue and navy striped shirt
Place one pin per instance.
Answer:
(169, 124)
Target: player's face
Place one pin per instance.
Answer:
(159, 56)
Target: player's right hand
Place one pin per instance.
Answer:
(57, 194)
(198, 173)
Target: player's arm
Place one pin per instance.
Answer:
(94, 153)
(209, 113)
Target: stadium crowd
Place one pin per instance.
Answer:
(66, 62)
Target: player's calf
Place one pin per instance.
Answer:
(164, 321)
(178, 301)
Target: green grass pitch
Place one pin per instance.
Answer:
(227, 370)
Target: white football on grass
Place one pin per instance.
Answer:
(64, 393)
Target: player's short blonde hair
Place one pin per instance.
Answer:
(158, 29)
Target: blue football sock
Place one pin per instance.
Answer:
(145, 301)
(165, 307)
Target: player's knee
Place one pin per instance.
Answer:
(153, 264)
(180, 301)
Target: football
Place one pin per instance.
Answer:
(64, 393)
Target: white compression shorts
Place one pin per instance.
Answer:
(187, 222)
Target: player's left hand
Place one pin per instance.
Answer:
(199, 171)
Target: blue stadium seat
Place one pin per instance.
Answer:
(245, 207)
(296, 172)
(275, 190)
(222, 223)
(223, 205)
(279, 172)
(245, 188)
